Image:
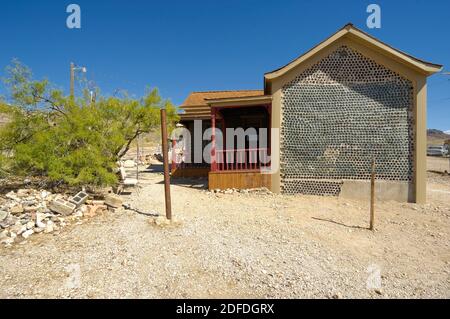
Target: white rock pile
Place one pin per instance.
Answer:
(29, 211)
(257, 191)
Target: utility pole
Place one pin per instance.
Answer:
(72, 80)
(73, 68)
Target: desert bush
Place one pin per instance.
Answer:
(73, 140)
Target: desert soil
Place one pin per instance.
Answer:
(240, 245)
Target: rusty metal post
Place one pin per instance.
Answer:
(165, 152)
(372, 196)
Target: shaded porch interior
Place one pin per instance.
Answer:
(236, 133)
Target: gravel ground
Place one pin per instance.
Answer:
(240, 246)
(438, 164)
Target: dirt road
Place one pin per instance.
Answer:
(241, 245)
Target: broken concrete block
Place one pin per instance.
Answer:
(62, 207)
(113, 201)
(79, 199)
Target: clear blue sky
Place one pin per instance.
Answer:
(186, 45)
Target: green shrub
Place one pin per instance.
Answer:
(71, 140)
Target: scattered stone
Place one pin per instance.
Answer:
(38, 230)
(40, 217)
(29, 209)
(93, 209)
(23, 192)
(49, 227)
(162, 221)
(18, 229)
(7, 241)
(337, 295)
(45, 194)
(12, 195)
(113, 200)
(8, 221)
(78, 213)
(28, 233)
(62, 207)
(3, 234)
(3, 215)
(18, 209)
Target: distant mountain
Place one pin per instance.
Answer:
(437, 136)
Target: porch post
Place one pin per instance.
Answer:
(224, 135)
(269, 131)
(174, 156)
(213, 140)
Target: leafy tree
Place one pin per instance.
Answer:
(73, 140)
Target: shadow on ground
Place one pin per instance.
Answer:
(339, 223)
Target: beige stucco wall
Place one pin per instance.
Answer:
(419, 107)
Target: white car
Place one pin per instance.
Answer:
(437, 151)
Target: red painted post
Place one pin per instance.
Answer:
(213, 140)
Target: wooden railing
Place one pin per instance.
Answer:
(241, 159)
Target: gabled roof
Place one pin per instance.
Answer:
(351, 31)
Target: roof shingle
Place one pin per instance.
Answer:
(199, 98)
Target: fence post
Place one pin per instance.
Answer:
(372, 196)
(165, 151)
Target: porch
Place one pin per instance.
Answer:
(239, 131)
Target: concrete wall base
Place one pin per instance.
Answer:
(384, 190)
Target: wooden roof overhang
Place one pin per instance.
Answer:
(195, 112)
(240, 101)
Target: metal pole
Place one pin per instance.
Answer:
(372, 197)
(165, 152)
(72, 80)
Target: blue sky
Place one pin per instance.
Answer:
(192, 45)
